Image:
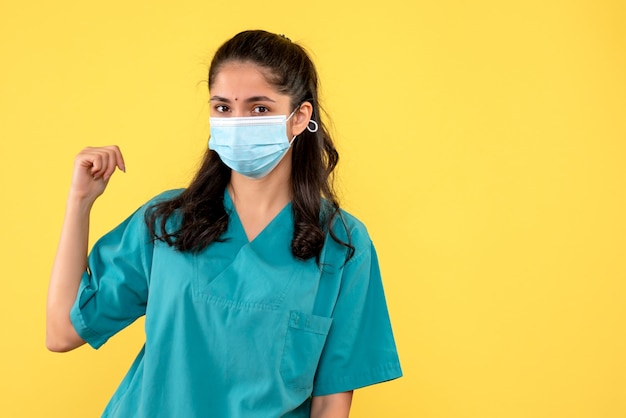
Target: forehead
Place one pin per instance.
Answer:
(240, 79)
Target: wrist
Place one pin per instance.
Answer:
(79, 202)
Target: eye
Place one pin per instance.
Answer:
(221, 108)
(260, 109)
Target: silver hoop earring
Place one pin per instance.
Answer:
(315, 126)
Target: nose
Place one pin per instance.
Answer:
(237, 109)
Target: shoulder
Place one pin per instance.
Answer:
(157, 200)
(354, 226)
(135, 226)
(164, 196)
(157, 207)
(349, 229)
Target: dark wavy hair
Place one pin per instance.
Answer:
(200, 207)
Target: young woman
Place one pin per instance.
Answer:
(262, 298)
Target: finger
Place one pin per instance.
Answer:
(114, 160)
(100, 164)
(90, 160)
(110, 164)
(119, 159)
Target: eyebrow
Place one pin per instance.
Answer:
(248, 100)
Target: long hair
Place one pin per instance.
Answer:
(200, 207)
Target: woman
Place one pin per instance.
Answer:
(262, 298)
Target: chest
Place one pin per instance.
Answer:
(232, 275)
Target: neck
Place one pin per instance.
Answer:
(267, 194)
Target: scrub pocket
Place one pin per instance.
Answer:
(304, 342)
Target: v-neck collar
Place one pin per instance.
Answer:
(277, 229)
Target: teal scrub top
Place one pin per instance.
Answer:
(240, 329)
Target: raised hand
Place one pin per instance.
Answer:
(93, 167)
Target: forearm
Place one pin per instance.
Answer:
(69, 265)
(93, 167)
(331, 406)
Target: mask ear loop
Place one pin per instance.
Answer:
(311, 121)
(308, 128)
(289, 117)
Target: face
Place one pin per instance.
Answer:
(241, 89)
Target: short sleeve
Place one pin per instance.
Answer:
(360, 349)
(114, 290)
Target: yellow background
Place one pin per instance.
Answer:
(482, 142)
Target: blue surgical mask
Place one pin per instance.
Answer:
(251, 146)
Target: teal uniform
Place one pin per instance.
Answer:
(240, 329)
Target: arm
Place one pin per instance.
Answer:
(93, 168)
(331, 406)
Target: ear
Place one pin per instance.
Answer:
(301, 117)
